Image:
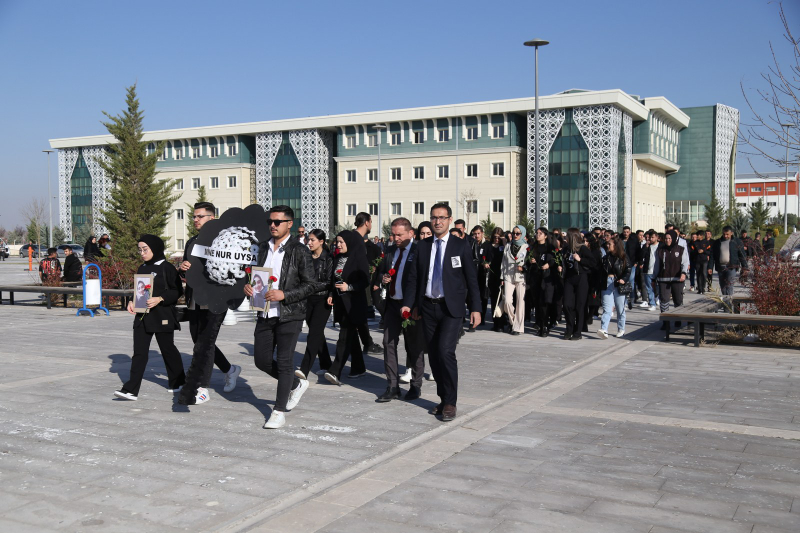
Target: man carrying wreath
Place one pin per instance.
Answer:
(396, 270)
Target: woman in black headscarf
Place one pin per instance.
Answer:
(159, 320)
(349, 281)
(91, 250)
(671, 273)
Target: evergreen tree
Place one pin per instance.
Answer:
(715, 215)
(759, 214)
(139, 203)
(738, 221)
(201, 197)
(59, 237)
(488, 225)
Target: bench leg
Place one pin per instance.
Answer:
(49, 300)
(696, 334)
(65, 300)
(702, 331)
(11, 297)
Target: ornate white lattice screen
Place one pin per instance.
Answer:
(267, 146)
(599, 126)
(727, 125)
(314, 149)
(627, 126)
(67, 158)
(101, 185)
(550, 122)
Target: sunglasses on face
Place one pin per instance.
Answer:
(516, 233)
(274, 222)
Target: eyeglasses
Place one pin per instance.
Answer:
(439, 219)
(277, 222)
(195, 217)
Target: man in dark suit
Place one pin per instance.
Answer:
(397, 274)
(482, 253)
(445, 275)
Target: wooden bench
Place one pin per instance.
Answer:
(704, 312)
(125, 295)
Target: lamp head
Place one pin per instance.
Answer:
(536, 42)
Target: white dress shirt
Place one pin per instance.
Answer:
(274, 261)
(398, 284)
(444, 240)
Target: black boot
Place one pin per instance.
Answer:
(392, 393)
(412, 394)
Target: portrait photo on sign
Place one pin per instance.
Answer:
(142, 291)
(262, 281)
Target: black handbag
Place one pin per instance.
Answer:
(624, 289)
(182, 314)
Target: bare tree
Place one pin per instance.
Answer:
(469, 203)
(34, 212)
(781, 98)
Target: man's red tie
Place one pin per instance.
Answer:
(396, 271)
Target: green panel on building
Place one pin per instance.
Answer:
(695, 180)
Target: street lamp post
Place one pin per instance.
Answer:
(49, 198)
(536, 43)
(786, 184)
(379, 128)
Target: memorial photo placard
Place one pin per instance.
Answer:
(142, 291)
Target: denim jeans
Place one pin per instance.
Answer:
(632, 281)
(612, 297)
(648, 285)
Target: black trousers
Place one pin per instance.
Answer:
(199, 373)
(198, 321)
(272, 336)
(391, 338)
(576, 290)
(442, 332)
(670, 288)
(346, 346)
(141, 349)
(317, 313)
(363, 333)
(640, 281)
(558, 300)
(702, 273)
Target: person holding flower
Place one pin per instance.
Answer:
(513, 270)
(159, 320)
(318, 311)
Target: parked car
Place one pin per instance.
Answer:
(76, 248)
(40, 252)
(3, 250)
(792, 254)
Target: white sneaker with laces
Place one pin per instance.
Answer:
(406, 378)
(299, 374)
(296, 394)
(276, 420)
(202, 396)
(620, 334)
(231, 377)
(333, 379)
(125, 395)
(651, 308)
(644, 304)
(603, 334)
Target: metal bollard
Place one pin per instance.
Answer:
(230, 319)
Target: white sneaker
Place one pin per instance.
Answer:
(230, 378)
(202, 396)
(651, 308)
(603, 334)
(299, 374)
(406, 378)
(430, 377)
(276, 420)
(296, 394)
(620, 334)
(333, 379)
(644, 304)
(125, 395)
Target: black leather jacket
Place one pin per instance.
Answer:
(323, 269)
(297, 279)
(613, 265)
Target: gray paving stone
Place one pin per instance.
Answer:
(674, 519)
(768, 517)
(700, 506)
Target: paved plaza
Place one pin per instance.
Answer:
(617, 435)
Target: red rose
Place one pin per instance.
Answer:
(147, 287)
(392, 272)
(248, 270)
(273, 279)
(339, 271)
(381, 256)
(406, 315)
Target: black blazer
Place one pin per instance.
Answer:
(458, 282)
(167, 284)
(409, 273)
(353, 303)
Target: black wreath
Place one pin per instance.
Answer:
(218, 297)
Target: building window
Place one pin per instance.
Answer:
(396, 208)
(498, 170)
(755, 189)
(231, 182)
(214, 151)
(472, 133)
(772, 204)
(444, 136)
(772, 189)
(741, 204)
(395, 139)
(351, 176)
(499, 132)
(419, 208)
(162, 156)
(179, 184)
(372, 141)
(195, 183)
(351, 210)
(497, 206)
(397, 174)
(213, 183)
(180, 244)
(443, 171)
(179, 214)
(471, 206)
(741, 189)
(351, 141)
(232, 149)
(418, 137)
(419, 173)
(178, 154)
(472, 170)
(195, 153)
(372, 174)
(372, 209)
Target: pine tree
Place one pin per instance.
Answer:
(738, 221)
(488, 225)
(139, 203)
(759, 214)
(201, 197)
(715, 215)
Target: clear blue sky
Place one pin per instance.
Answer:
(201, 63)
